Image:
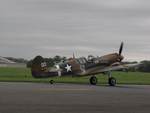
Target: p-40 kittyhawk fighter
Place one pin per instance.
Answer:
(82, 67)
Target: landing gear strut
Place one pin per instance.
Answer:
(111, 80)
(93, 80)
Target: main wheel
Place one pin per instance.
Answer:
(112, 81)
(93, 80)
(51, 81)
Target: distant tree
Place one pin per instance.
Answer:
(29, 63)
(49, 61)
(57, 59)
(145, 66)
(37, 60)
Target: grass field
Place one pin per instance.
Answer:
(24, 75)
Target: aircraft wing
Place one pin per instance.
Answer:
(118, 67)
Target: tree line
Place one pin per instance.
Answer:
(49, 61)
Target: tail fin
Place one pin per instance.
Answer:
(38, 66)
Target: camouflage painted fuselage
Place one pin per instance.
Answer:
(74, 66)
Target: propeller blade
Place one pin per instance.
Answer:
(121, 48)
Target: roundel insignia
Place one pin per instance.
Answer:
(68, 68)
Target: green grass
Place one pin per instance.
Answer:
(24, 75)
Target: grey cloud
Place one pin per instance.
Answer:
(50, 27)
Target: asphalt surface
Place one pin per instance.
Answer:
(71, 98)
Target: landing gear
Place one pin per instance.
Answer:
(111, 80)
(93, 80)
(51, 81)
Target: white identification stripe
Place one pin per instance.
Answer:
(58, 68)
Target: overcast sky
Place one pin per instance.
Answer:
(61, 27)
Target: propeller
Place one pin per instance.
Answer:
(121, 48)
(120, 57)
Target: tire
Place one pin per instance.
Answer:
(93, 80)
(51, 81)
(112, 81)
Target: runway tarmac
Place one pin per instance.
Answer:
(73, 98)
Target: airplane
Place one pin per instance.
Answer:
(82, 67)
(5, 61)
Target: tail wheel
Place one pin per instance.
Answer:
(112, 81)
(93, 80)
(51, 81)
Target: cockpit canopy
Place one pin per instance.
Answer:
(82, 60)
(90, 58)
